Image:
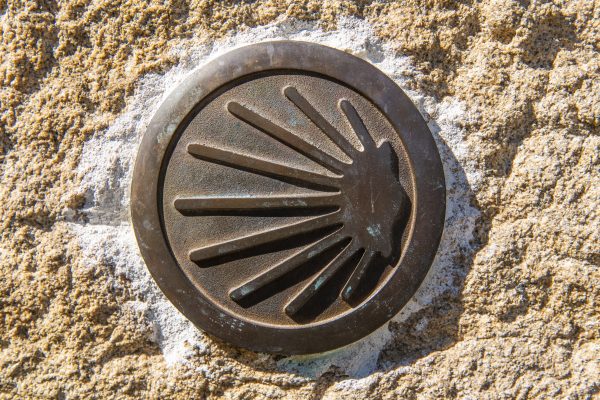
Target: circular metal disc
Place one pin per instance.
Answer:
(288, 197)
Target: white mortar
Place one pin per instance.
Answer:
(107, 164)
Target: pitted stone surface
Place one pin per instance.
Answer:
(516, 95)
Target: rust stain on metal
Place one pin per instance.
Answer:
(296, 214)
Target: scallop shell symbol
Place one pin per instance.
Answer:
(288, 197)
(354, 213)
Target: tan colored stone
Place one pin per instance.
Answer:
(527, 322)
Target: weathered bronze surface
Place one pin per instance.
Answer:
(288, 198)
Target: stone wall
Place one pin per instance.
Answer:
(510, 309)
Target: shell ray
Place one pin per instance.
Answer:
(250, 205)
(286, 137)
(291, 263)
(304, 105)
(261, 238)
(310, 290)
(262, 167)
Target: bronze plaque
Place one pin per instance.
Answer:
(288, 197)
